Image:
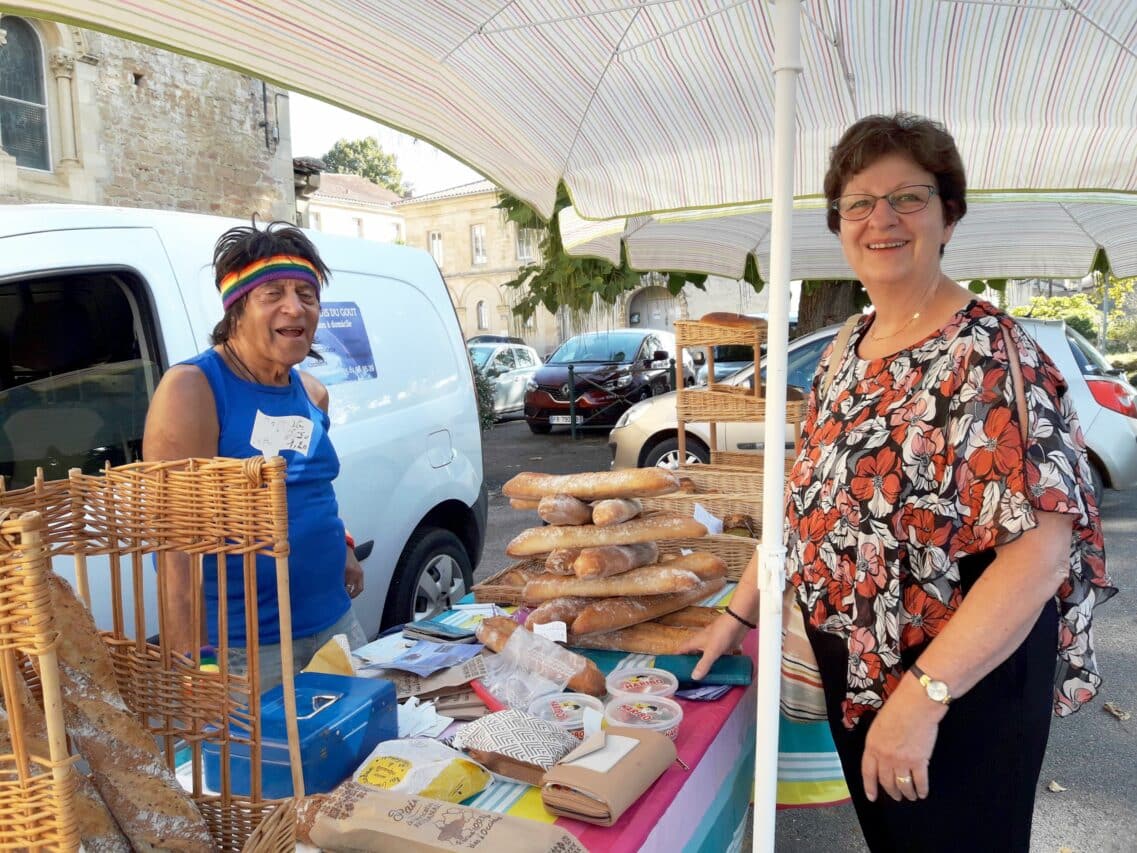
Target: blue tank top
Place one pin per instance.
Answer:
(315, 532)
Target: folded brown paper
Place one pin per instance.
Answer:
(598, 786)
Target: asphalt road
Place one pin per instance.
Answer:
(1092, 754)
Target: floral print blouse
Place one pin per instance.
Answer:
(913, 461)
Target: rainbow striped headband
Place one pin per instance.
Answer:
(238, 283)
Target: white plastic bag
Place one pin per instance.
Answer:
(528, 667)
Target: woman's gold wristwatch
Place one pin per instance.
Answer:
(937, 691)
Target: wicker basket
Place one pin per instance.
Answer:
(696, 333)
(275, 832)
(494, 590)
(37, 783)
(729, 403)
(196, 507)
(748, 503)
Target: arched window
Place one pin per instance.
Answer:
(483, 316)
(23, 96)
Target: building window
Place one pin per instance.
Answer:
(478, 243)
(483, 316)
(527, 244)
(23, 96)
(435, 244)
(357, 222)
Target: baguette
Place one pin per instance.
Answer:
(608, 560)
(611, 614)
(690, 617)
(564, 609)
(687, 486)
(495, 632)
(703, 563)
(733, 321)
(615, 511)
(522, 503)
(561, 561)
(128, 769)
(564, 509)
(517, 577)
(647, 638)
(593, 485)
(646, 580)
(541, 540)
(98, 831)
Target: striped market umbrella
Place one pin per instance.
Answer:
(650, 106)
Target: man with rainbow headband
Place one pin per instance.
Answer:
(243, 397)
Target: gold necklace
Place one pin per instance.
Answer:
(875, 337)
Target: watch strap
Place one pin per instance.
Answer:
(926, 682)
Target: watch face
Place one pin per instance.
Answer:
(937, 690)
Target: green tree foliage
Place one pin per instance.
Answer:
(484, 388)
(366, 157)
(559, 280)
(1077, 310)
(1116, 298)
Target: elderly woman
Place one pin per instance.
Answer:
(229, 401)
(945, 567)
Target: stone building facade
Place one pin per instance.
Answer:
(89, 118)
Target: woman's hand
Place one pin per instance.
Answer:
(899, 743)
(352, 575)
(721, 637)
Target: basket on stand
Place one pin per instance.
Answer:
(139, 513)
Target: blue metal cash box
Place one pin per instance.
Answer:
(340, 719)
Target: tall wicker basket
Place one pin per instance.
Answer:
(194, 507)
(36, 779)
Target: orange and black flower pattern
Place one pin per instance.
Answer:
(913, 461)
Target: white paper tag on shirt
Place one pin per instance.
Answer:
(555, 631)
(704, 517)
(272, 434)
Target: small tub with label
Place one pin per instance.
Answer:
(641, 681)
(565, 710)
(645, 712)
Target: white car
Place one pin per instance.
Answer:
(509, 367)
(1106, 403)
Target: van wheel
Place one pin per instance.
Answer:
(433, 573)
(539, 429)
(666, 454)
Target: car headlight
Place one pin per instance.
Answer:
(631, 414)
(624, 381)
(530, 385)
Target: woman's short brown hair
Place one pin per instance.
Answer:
(927, 143)
(240, 246)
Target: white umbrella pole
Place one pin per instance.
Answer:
(772, 554)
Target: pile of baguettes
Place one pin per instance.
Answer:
(604, 576)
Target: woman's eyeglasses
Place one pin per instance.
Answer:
(909, 199)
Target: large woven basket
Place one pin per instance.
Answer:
(696, 333)
(37, 782)
(194, 507)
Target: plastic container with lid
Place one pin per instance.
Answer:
(565, 710)
(645, 712)
(641, 681)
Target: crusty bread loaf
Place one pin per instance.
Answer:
(541, 540)
(560, 561)
(495, 632)
(564, 609)
(733, 321)
(608, 560)
(687, 486)
(140, 790)
(593, 485)
(517, 577)
(564, 509)
(98, 831)
(703, 563)
(521, 503)
(615, 511)
(611, 614)
(690, 617)
(646, 638)
(646, 580)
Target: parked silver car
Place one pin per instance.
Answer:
(508, 366)
(1106, 403)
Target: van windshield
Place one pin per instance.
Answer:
(598, 347)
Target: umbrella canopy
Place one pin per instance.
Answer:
(1038, 235)
(669, 104)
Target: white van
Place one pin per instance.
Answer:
(96, 302)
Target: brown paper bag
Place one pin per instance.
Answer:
(353, 819)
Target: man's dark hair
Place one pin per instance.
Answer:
(238, 247)
(927, 143)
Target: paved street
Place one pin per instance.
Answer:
(1092, 754)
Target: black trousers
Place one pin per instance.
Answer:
(986, 762)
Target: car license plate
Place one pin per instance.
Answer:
(562, 419)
